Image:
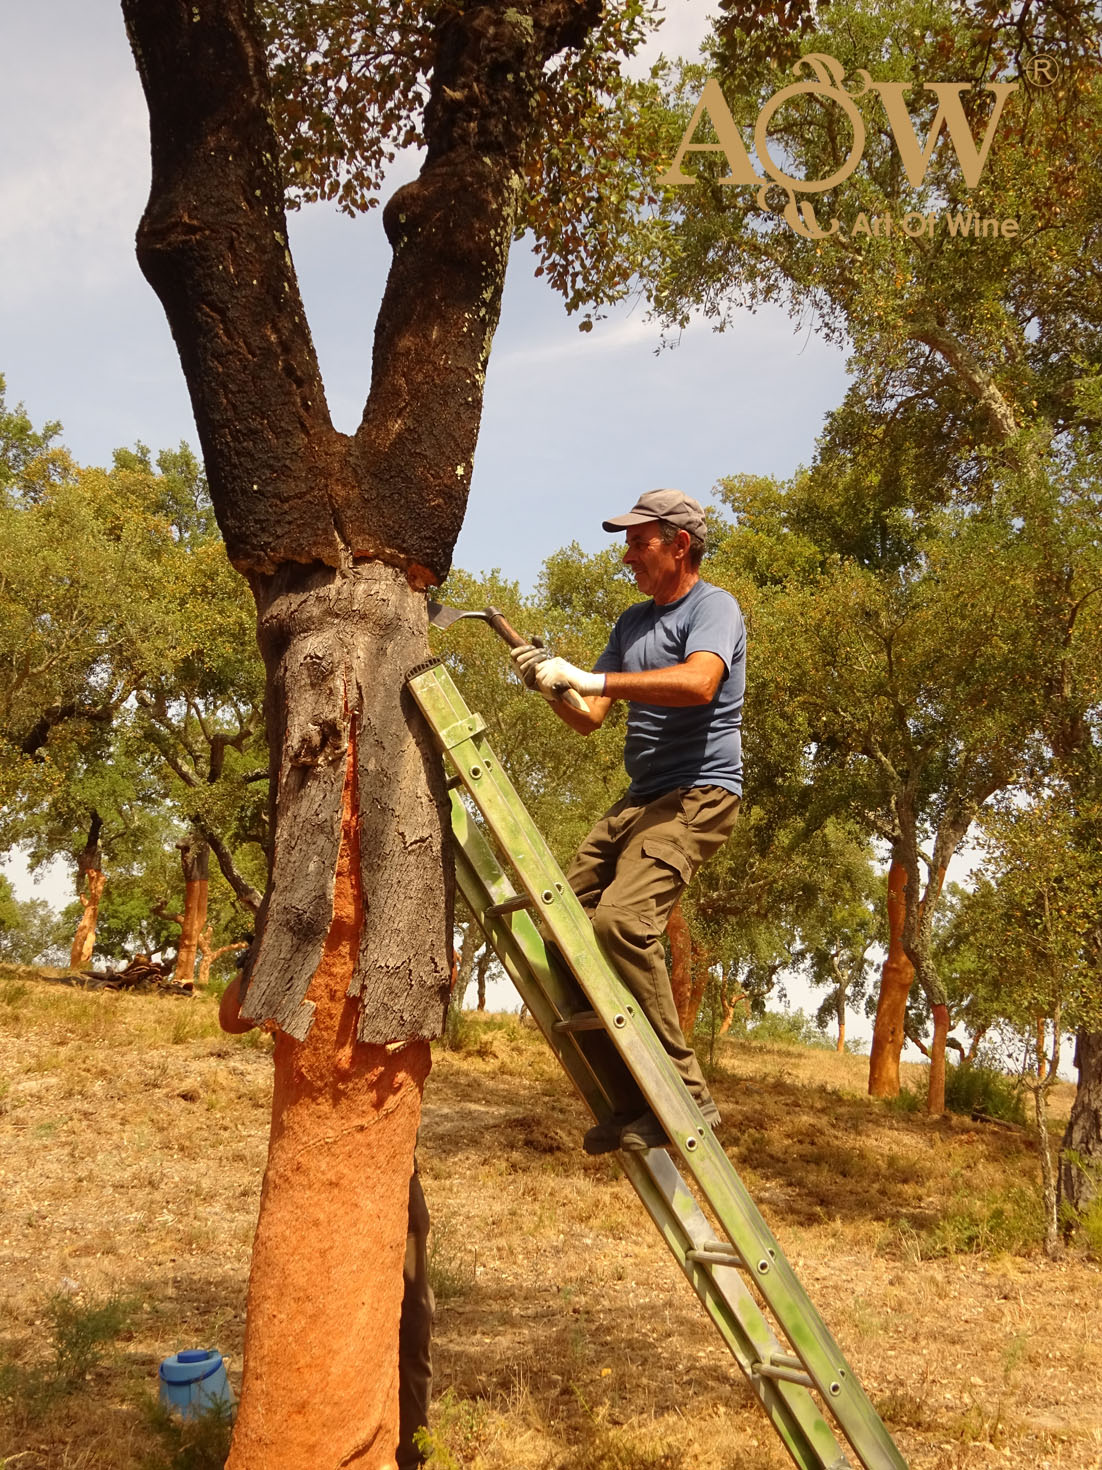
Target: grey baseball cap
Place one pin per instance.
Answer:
(675, 506)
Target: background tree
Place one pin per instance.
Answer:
(963, 377)
(1037, 942)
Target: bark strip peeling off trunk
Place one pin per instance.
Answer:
(337, 645)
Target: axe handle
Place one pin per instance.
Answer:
(506, 631)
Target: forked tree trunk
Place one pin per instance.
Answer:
(339, 537)
(1081, 1152)
(195, 860)
(208, 954)
(888, 1033)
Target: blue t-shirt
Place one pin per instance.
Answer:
(700, 745)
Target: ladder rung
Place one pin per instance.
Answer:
(785, 1375)
(510, 905)
(580, 1021)
(716, 1257)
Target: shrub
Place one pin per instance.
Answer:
(974, 1089)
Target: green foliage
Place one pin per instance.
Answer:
(28, 928)
(82, 1332)
(130, 684)
(460, 1427)
(783, 1028)
(198, 1442)
(81, 1335)
(351, 85)
(1009, 1221)
(974, 1089)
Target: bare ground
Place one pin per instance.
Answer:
(132, 1141)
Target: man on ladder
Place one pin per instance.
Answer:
(679, 659)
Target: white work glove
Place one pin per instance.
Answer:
(553, 673)
(532, 663)
(526, 658)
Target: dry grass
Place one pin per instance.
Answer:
(132, 1140)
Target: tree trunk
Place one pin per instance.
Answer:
(1081, 1153)
(729, 999)
(895, 985)
(339, 538)
(701, 962)
(935, 1097)
(325, 1290)
(90, 886)
(208, 954)
(84, 941)
(195, 860)
(1040, 1091)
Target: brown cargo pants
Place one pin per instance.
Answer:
(628, 874)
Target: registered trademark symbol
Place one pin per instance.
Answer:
(1042, 71)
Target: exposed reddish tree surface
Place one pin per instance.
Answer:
(195, 860)
(84, 941)
(208, 954)
(689, 962)
(91, 882)
(344, 1121)
(888, 1033)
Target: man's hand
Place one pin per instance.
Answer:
(526, 659)
(564, 681)
(553, 674)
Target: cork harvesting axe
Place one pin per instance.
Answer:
(443, 617)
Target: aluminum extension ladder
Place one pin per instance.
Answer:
(604, 1042)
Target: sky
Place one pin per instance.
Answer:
(578, 424)
(575, 425)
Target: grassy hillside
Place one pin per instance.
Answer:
(132, 1141)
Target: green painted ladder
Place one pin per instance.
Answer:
(603, 1041)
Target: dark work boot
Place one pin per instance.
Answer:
(644, 1132)
(604, 1138)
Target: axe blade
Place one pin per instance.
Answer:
(443, 617)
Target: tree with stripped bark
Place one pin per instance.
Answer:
(339, 536)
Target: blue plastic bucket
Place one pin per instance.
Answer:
(194, 1382)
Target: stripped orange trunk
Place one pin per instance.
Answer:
(333, 1220)
(84, 941)
(935, 1101)
(195, 856)
(688, 970)
(895, 985)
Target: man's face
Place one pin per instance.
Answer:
(655, 563)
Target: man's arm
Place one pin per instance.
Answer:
(678, 686)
